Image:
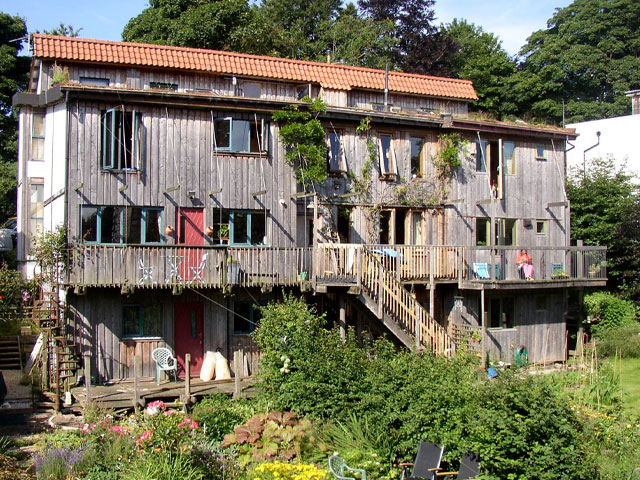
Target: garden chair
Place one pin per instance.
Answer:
(165, 361)
(469, 468)
(340, 469)
(481, 270)
(426, 464)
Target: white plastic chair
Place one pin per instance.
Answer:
(165, 361)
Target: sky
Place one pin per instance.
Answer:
(511, 20)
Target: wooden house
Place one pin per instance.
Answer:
(183, 216)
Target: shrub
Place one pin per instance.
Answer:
(62, 463)
(219, 414)
(168, 466)
(623, 341)
(608, 312)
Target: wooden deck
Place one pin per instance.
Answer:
(120, 394)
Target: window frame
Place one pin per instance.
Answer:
(163, 86)
(341, 164)
(40, 138)
(140, 334)
(253, 307)
(501, 300)
(545, 226)
(487, 231)
(392, 170)
(36, 207)
(250, 214)
(420, 170)
(262, 140)
(95, 81)
(543, 157)
(122, 236)
(110, 157)
(502, 226)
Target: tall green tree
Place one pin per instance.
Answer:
(216, 24)
(422, 47)
(603, 200)
(14, 71)
(588, 56)
(482, 60)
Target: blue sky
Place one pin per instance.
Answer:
(512, 20)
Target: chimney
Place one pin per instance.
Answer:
(635, 101)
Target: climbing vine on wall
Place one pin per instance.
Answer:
(303, 137)
(361, 184)
(448, 157)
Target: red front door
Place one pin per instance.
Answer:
(191, 232)
(188, 325)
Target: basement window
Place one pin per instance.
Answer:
(242, 136)
(121, 140)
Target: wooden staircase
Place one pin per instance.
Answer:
(10, 353)
(60, 356)
(400, 312)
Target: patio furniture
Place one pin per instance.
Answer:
(469, 468)
(165, 361)
(341, 470)
(426, 464)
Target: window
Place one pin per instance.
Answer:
(234, 135)
(303, 91)
(121, 140)
(481, 156)
(337, 161)
(240, 227)
(163, 86)
(501, 312)
(36, 208)
(541, 227)
(37, 136)
(482, 231)
(386, 155)
(509, 157)
(540, 153)
(246, 316)
(100, 82)
(111, 224)
(496, 157)
(416, 228)
(505, 231)
(251, 89)
(416, 156)
(141, 321)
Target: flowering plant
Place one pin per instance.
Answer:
(288, 471)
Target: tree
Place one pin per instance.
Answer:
(587, 56)
(603, 203)
(13, 77)
(64, 30)
(422, 47)
(216, 24)
(482, 60)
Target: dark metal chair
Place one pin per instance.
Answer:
(426, 464)
(469, 468)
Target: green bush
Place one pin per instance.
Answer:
(623, 341)
(219, 414)
(607, 312)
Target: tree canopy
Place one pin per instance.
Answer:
(588, 56)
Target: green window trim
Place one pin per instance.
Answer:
(243, 143)
(118, 143)
(139, 311)
(100, 209)
(235, 233)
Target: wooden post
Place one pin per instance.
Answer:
(380, 291)
(343, 317)
(237, 366)
(580, 260)
(137, 371)
(484, 329)
(359, 271)
(186, 401)
(87, 378)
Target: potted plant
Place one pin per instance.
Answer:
(223, 233)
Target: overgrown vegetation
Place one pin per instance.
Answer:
(50, 253)
(303, 137)
(608, 312)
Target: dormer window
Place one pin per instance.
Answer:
(98, 82)
(163, 86)
(251, 90)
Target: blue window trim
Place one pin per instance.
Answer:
(250, 214)
(140, 333)
(264, 137)
(143, 224)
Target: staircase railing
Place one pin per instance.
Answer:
(397, 302)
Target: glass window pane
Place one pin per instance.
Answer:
(240, 223)
(126, 141)
(385, 141)
(482, 227)
(258, 228)
(508, 157)
(110, 224)
(38, 125)
(132, 225)
(152, 320)
(89, 224)
(37, 148)
(242, 318)
(334, 151)
(481, 156)
(241, 136)
(131, 320)
(221, 133)
(251, 89)
(416, 150)
(152, 226)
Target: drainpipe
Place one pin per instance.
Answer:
(584, 157)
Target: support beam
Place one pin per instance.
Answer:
(342, 323)
(484, 330)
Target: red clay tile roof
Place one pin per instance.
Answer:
(333, 76)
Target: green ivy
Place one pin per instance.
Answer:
(303, 137)
(448, 158)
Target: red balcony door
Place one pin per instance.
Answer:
(191, 232)
(188, 324)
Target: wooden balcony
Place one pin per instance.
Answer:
(167, 266)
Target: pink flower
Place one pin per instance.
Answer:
(188, 423)
(119, 429)
(171, 411)
(155, 407)
(143, 437)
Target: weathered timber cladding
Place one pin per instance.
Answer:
(365, 100)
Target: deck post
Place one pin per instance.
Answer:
(137, 372)
(87, 378)
(580, 260)
(380, 291)
(186, 400)
(343, 317)
(484, 330)
(237, 366)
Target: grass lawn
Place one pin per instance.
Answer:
(630, 382)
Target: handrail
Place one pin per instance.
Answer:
(383, 287)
